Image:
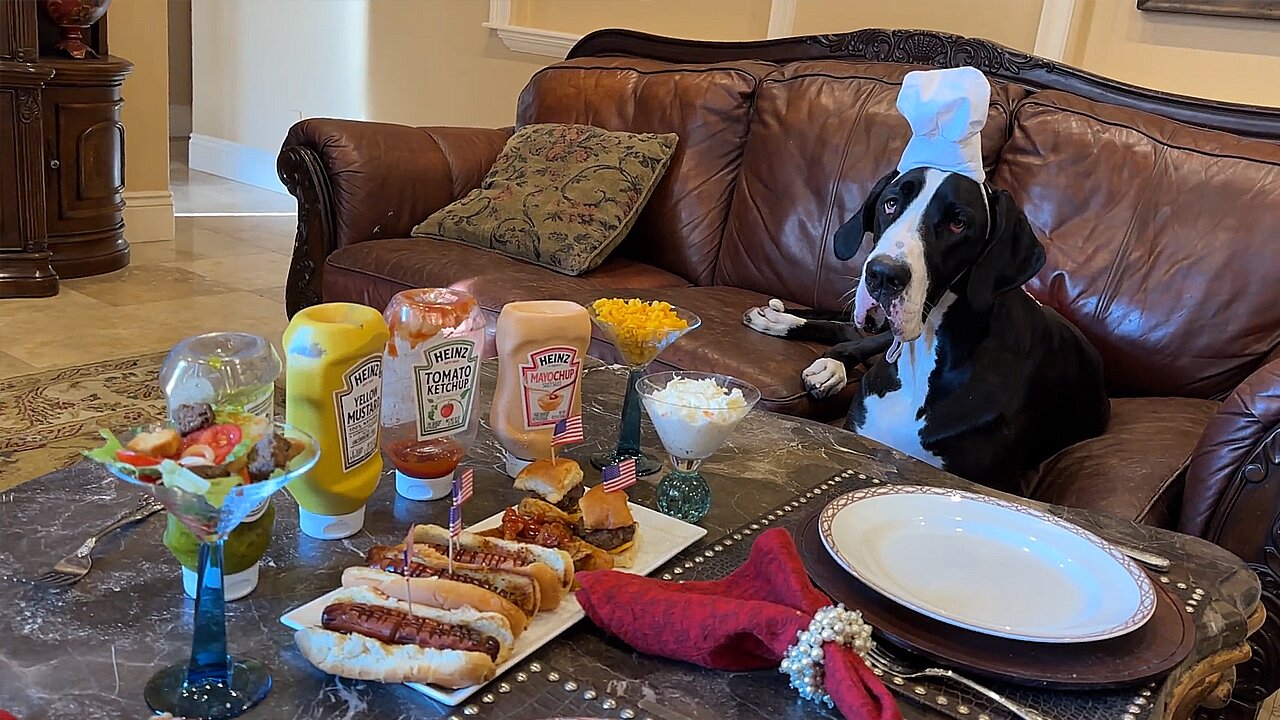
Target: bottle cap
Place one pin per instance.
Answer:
(422, 489)
(330, 527)
(235, 585)
(515, 464)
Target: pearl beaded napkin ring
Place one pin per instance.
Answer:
(804, 660)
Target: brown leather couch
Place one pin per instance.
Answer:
(1158, 213)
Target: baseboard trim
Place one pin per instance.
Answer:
(242, 163)
(148, 216)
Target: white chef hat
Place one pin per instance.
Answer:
(946, 110)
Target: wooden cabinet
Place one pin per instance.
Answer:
(25, 268)
(61, 157)
(84, 166)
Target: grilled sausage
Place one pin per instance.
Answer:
(400, 628)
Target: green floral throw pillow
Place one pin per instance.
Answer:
(561, 196)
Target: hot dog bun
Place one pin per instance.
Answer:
(551, 569)
(437, 592)
(360, 657)
(523, 553)
(519, 588)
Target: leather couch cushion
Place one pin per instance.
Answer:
(722, 344)
(1135, 469)
(372, 272)
(822, 134)
(708, 106)
(1161, 240)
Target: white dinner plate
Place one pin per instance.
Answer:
(987, 564)
(661, 538)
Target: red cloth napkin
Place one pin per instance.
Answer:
(744, 622)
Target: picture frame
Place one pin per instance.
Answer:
(1259, 9)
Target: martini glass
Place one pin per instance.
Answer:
(212, 684)
(636, 355)
(691, 432)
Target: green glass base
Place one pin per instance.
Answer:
(169, 691)
(645, 464)
(684, 496)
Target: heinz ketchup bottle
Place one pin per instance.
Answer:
(431, 376)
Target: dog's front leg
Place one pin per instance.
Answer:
(805, 325)
(830, 373)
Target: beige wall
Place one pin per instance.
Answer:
(136, 32)
(408, 61)
(431, 61)
(697, 19)
(1232, 59)
(442, 67)
(1009, 22)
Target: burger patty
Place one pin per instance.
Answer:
(609, 539)
(569, 503)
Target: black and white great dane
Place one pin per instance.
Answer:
(976, 377)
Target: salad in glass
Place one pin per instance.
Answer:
(202, 452)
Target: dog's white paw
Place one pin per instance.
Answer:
(772, 319)
(825, 377)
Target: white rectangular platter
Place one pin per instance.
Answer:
(661, 538)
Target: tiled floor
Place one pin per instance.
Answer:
(220, 273)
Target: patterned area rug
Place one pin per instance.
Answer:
(47, 418)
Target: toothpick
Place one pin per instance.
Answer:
(408, 563)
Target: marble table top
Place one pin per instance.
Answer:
(86, 651)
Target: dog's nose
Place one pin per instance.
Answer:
(887, 277)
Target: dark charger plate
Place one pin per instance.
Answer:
(1160, 644)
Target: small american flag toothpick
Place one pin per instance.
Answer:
(619, 476)
(464, 486)
(568, 430)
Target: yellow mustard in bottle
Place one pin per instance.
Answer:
(333, 390)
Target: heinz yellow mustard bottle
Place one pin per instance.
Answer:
(333, 390)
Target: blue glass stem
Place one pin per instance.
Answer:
(210, 662)
(629, 438)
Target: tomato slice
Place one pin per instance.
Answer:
(136, 459)
(221, 438)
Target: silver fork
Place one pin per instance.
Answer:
(71, 568)
(881, 659)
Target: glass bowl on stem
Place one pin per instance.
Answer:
(213, 685)
(636, 355)
(691, 432)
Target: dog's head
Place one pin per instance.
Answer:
(935, 231)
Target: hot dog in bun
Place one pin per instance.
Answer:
(438, 592)
(520, 589)
(368, 635)
(552, 569)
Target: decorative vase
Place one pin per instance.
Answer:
(73, 18)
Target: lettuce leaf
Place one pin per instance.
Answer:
(106, 454)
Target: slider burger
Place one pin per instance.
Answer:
(557, 482)
(551, 568)
(519, 589)
(607, 524)
(368, 635)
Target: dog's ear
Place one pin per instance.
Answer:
(1012, 257)
(849, 237)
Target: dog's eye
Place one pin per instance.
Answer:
(891, 206)
(957, 225)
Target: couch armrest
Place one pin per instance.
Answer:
(1240, 448)
(357, 181)
(1232, 498)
